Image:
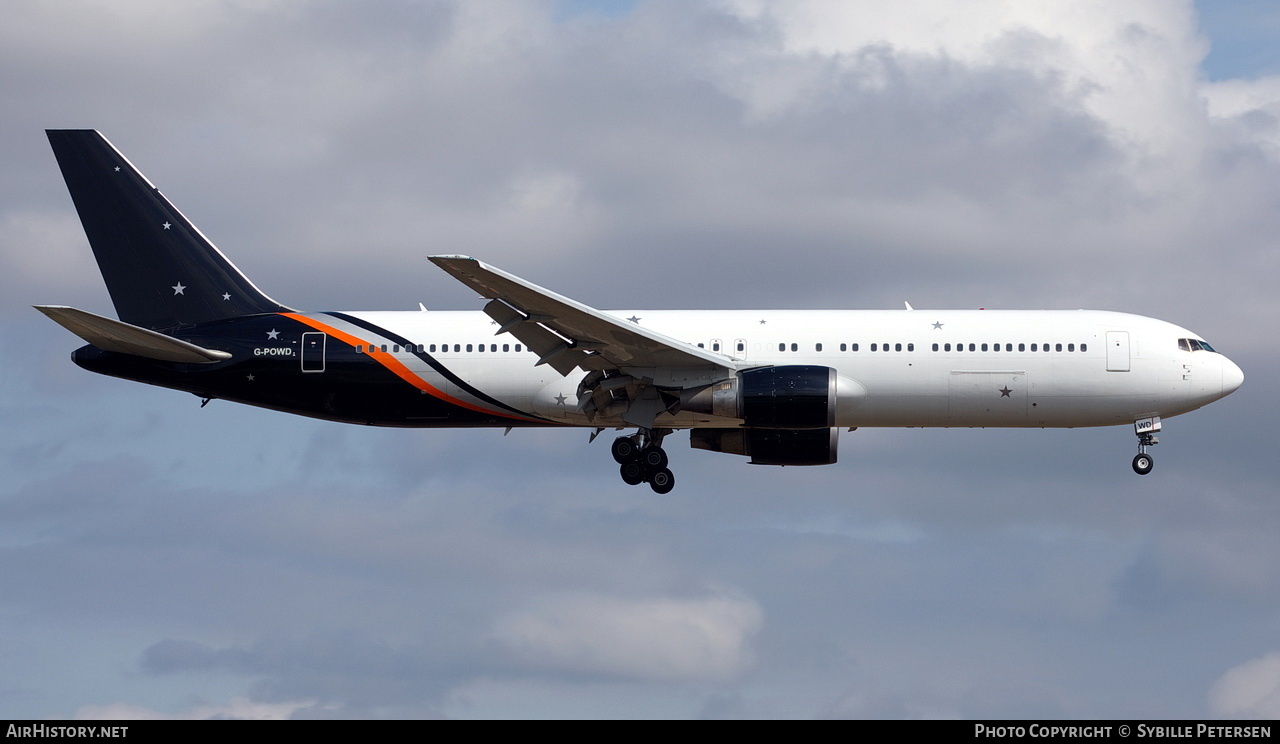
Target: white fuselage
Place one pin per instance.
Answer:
(1009, 368)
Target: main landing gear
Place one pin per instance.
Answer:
(642, 460)
(1146, 430)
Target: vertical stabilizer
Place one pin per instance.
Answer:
(161, 271)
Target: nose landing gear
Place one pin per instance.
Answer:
(1146, 430)
(642, 460)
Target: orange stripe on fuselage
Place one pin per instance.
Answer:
(396, 366)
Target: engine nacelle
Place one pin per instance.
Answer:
(772, 446)
(791, 397)
(785, 397)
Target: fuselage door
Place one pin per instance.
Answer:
(1117, 351)
(313, 351)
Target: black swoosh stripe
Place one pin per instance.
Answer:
(434, 363)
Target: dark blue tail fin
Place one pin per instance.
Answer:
(162, 273)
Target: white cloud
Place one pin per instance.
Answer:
(240, 709)
(1250, 690)
(654, 639)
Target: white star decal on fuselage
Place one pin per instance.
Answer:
(226, 296)
(634, 319)
(273, 334)
(937, 326)
(166, 226)
(179, 289)
(560, 399)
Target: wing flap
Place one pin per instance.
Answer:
(123, 338)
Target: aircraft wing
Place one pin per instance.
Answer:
(566, 333)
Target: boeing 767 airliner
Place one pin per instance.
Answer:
(772, 385)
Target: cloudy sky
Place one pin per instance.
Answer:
(158, 559)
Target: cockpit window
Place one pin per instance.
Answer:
(1194, 344)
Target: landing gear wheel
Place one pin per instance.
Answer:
(1143, 463)
(624, 449)
(662, 481)
(632, 473)
(653, 458)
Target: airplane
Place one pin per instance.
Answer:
(775, 386)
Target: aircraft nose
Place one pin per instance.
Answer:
(1232, 376)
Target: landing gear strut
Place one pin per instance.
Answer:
(1146, 430)
(642, 460)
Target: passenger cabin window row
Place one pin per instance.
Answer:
(1037, 347)
(973, 347)
(854, 347)
(444, 348)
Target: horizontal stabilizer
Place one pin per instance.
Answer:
(113, 335)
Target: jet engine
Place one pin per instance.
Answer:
(788, 413)
(771, 446)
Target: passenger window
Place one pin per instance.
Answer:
(782, 347)
(855, 347)
(935, 347)
(844, 347)
(1057, 347)
(795, 347)
(911, 347)
(873, 347)
(1022, 347)
(947, 347)
(469, 347)
(984, 347)
(1084, 348)
(517, 347)
(817, 347)
(897, 347)
(1071, 347)
(971, 347)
